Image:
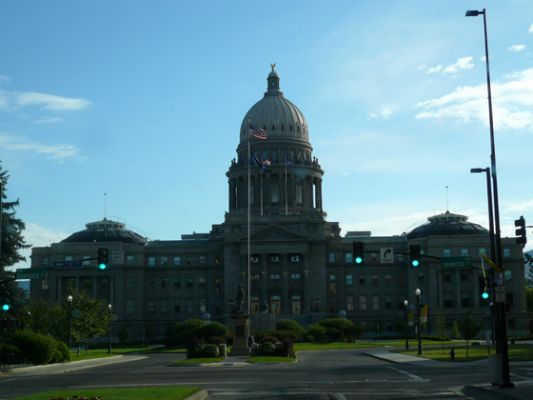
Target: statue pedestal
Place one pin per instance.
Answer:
(241, 331)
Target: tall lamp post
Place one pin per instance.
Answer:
(69, 329)
(406, 305)
(499, 304)
(418, 293)
(110, 308)
(492, 253)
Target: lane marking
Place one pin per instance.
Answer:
(412, 377)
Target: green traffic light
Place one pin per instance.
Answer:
(484, 295)
(102, 266)
(5, 307)
(415, 263)
(358, 260)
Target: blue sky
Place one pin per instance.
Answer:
(143, 101)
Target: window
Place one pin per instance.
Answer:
(299, 194)
(446, 253)
(254, 259)
(189, 283)
(332, 286)
(188, 260)
(421, 277)
(274, 193)
(506, 252)
(507, 275)
(375, 303)
(163, 261)
(130, 259)
(362, 280)
(482, 251)
(164, 306)
(375, 280)
(296, 277)
(274, 258)
(130, 307)
(255, 276)
(447, 277)
(68, 258)
(201, 260)
(85, 262)
(349, 303)
(464, 253)
(201, 283)
(296, 304)
(349, 280)
(331, 257)
(465, 301)
(275, 304)
(509, 299)
(151, 307)
(151, 261)
(177, 261)
(295, 258)
(189, 306)
(274, 277)
(348, 258)
(362, 303)
(202, 305)
(177, 283)
(164, 283)
(448, 302)
(464, 277)
(218, 260)
(128, 283)
(177, 308)
(388, 280)
(332, 277)
(152, 283)
(45, 260)
(388, 303)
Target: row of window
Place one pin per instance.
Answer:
(276, 258)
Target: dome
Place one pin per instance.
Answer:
(276, 115)
(447, 224)
(105, 231)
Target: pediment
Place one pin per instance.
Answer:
(275, 233)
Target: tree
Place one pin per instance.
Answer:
(468, 328)
(11, 242)
(90, 317)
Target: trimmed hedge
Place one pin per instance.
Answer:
(36, 348)
(10, 354)
(204, 350)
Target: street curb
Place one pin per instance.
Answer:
(71, 366)
(200, 395)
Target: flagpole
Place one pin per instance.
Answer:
(248, 259)
(286, 192)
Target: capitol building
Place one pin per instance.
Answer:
(301, 265)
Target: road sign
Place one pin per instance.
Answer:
(67, 264)
(31, 273)
(456, 262)
(387, 255)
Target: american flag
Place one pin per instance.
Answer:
(257, 133)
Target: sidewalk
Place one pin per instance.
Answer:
(69, 366)
(237, 361)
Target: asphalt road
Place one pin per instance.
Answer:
(334, 375)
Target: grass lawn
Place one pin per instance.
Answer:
(516, 353)
(270, 359)
(99, 353)
(129, 393)
(362, 344)
(192, 361)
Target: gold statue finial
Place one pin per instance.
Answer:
(273, 66)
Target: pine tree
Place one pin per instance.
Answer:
(11, 243)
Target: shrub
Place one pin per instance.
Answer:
(216, 340)
(316, 333)
(286, 349)
(288, 325)
(212, 329)
(205, 350)
(10, 354)
(193, 345)
(338, 324)
(334, 334)
(183, 332)
(269, 339)
(61, 353)
(267, 348)
(281, 335)
(36, 348)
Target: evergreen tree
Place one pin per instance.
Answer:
(11, 243)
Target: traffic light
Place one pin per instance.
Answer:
(414, 256)
(358, 252)
(102, 259)
(520, 231)
(6, 307)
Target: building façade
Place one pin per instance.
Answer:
(301, 267)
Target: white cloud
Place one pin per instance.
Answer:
(518, 206)
(517, 48)
(462, 63)
(512, 101)
(38, 236)
(48, 120)
(530, 30)
(18, 143)
(385, 111)
(50, 102)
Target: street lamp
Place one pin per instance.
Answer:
(492, 253)
(418, 292)
(109, 307)
(406, 305)
(69, 330)
(501, 323)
